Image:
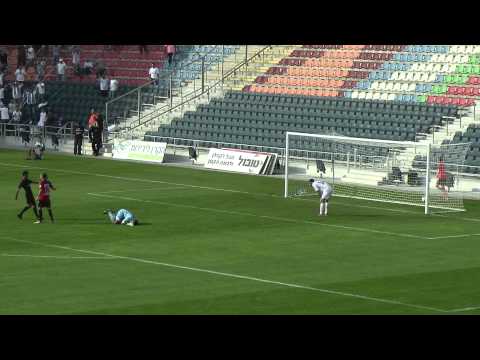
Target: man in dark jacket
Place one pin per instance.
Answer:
(78, 139)
(95, 136)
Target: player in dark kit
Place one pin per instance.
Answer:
(44, 197)
(25, 184)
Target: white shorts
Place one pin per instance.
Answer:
(326, 195)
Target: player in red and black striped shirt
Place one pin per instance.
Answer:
(442, 178)
(44, 197)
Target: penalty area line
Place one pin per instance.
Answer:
(237, 276)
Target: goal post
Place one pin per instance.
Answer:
(397, 172)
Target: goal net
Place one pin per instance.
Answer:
(396, 172)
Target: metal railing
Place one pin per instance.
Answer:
(35, 133)
(150, 93)
(240, 70)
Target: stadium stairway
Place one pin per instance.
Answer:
(256, 66)
(442, 134)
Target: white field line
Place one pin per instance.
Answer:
(57, 257)
(281, 219)
(273, 282)
(215, 189)
(465, 309)
(452, 236)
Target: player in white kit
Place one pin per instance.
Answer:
(325, 191)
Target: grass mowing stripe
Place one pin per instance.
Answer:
(243, 277)
(156, 188)
(254, 194)
(351, 228)
(221, 189)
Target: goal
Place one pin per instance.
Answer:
(397, 172)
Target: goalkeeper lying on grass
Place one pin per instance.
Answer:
(121, 217)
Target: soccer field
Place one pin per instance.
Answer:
(219, 243)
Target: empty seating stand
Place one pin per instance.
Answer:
(262, 119)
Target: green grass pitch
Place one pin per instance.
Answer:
(219, 243)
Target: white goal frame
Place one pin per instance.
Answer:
(427, 148)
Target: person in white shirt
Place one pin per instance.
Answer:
(4, 114)
(43, 119)
(17, 116)
(104, 83)
(61, 66)
(40, 90)
(12, 106)
(20, 74)
(76, 56)
(16, 92)
(154, 74)
(113, 88)
(325, 191)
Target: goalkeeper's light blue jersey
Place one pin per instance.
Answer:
(124, 215)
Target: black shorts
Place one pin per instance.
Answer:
(31, 201)
(44, 203)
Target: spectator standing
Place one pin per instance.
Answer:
(56, 54)
(17, 116)
(1, 78)
(41, 65)
(87, 67)
(170, 49)
(100, 70)
(2, 95)
(61, 67)
(40, 91)
(12, 107)
(76, 57)
(95, 137)
(43, 119)
(20, 75)
(104, 83)
(30, 56)
(99, 121)
(154, 74)
(3, 60)
(92, 118)
(20, 55)
(29, 102)
(4, 114)
(113, 88)
(78, 139)
(16, 93)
